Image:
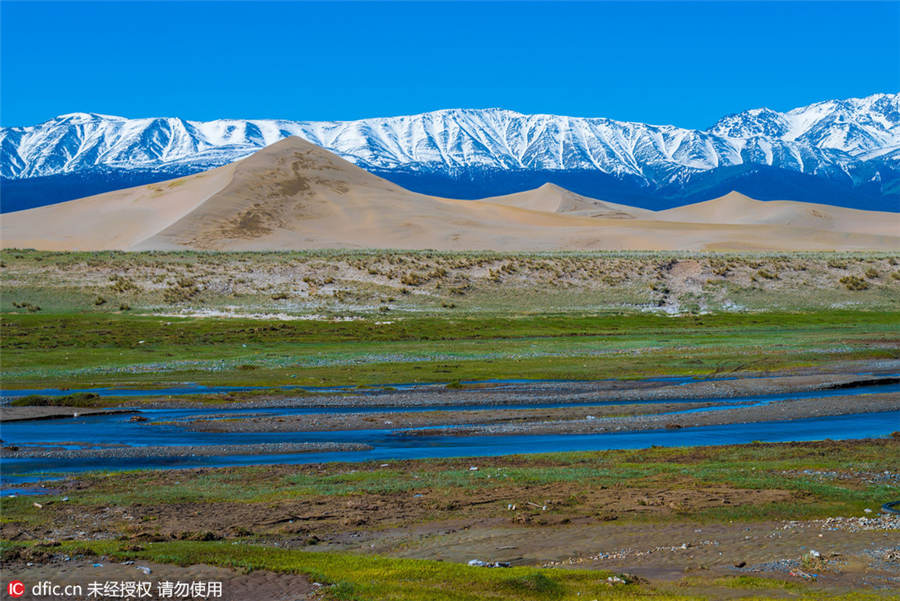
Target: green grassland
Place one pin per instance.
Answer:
(53, 350)
(380, 317)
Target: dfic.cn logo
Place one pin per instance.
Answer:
(15, 588)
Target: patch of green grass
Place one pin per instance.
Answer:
(754, 583)
(81, 399)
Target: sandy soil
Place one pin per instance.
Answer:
(852, 555)
(294, 195)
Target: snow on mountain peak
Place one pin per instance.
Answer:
(833, 137)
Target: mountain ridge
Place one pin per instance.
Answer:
(844, 148)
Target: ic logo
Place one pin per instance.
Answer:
(15, 589)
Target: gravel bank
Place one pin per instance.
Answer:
(318, 422)
(15, 414)
(780, 411)
(282, 448)
(535, 393)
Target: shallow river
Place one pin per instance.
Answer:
(397, 444)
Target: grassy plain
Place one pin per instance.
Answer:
(358, 317)
(90, 350)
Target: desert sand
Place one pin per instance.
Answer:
(295, 195)
(550, 198)
(735, 208)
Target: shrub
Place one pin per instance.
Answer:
(27, 306)
(184, 289)
(854, 283)
(412, 279)
(121, 284)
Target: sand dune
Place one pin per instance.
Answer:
(551, 198)
(295, 195)
(114, 220)
(735, 208)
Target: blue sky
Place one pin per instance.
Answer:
(657, 62)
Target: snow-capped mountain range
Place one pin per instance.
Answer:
(837, 151)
